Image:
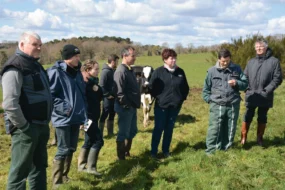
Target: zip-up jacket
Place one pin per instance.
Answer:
(94, 96)
(68, 93)
(217, 89)
(169, 88)
(107, 81)
(26, 93)
(264, 76)
(126, 88)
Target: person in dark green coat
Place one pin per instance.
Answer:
(221, 90)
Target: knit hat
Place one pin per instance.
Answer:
(69, 51)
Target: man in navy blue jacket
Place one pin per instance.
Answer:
(69, 112)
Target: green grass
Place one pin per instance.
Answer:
(249, 167)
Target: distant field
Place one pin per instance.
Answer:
(194, 65)
(241, 168)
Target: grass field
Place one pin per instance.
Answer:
(249, 167)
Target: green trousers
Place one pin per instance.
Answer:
(29, 158)
(222, 127)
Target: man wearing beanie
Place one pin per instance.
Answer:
(69, 111)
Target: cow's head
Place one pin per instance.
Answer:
(147, 71)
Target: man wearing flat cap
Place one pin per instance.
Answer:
(69, 109)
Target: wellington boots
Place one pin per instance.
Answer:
(260, 132)
(67, 163)
(128, 146)
(82, 159)
(92, 162)
(57, 171)
(121, 150)
(101, 127)
(244, 131)
(110, 128)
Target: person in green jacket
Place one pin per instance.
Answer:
(221, 90)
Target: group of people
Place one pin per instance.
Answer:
(69, 95)
(262, 75)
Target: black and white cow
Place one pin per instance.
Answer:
(143, 75)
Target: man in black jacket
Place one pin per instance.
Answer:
(27, 103)
(107, 84)
(126, 103)
(264, 76)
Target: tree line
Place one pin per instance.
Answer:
(98, 48)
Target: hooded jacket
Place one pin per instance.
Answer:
(216, 88)
(264, 75)
(68, 94)
(107, 81)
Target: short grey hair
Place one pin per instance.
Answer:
(125, 51)
(25, 36)
(261, 41)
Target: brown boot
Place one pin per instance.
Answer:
(121, 150)
(244, 131)
(128, 146)
(67, 164)
(110, 127)
(260, 132)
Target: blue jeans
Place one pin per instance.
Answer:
(164, 120)
(127, 122)
(67, 138)
(93, 138)
(29, 157)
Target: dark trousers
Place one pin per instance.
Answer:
(164, 120)
(261, 114)
(93, 138)
(107, 110)
(29, 158)
(127, 122)
(67, 139)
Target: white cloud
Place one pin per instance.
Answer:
(39, 19)
(9, 33)
(245, 11)
(276, 25)
(146, 21)
(72, 7)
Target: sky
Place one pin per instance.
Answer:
(155, 22)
